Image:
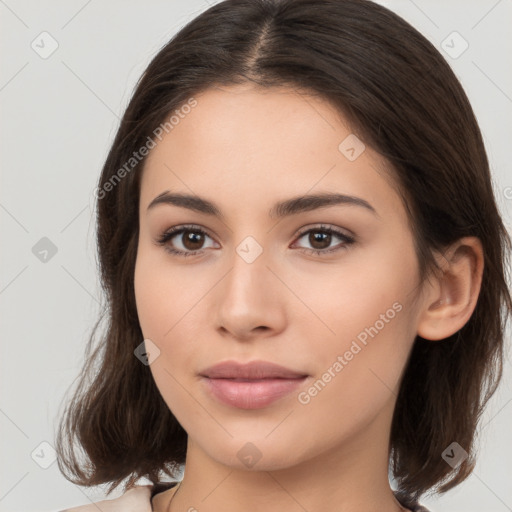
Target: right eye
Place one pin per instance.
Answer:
(191, 243)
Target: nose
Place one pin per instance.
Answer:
(250, 299)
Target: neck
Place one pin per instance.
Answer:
(349, 477)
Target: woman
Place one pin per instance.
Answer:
(304, 271)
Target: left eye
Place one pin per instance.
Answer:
(321, 236)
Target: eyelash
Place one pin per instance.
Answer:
(165, 237)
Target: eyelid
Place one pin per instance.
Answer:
(301, 231)
(347, 238)
(326, 227)
(169, 233)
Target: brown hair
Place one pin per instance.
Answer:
(403, 100)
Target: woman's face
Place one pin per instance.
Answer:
(253, 288)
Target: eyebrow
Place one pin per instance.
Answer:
(281, 209)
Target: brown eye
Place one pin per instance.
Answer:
(189, 239)
(320, 239)
(192, 240)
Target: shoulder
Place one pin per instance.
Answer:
(137, 499)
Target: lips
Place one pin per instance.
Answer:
(253, 370)
(250, 386)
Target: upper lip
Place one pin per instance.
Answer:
(251, 370)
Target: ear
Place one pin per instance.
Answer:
(452, 294)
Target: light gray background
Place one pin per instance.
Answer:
(59, 117)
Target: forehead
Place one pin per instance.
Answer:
(258, 122)
(261, 144)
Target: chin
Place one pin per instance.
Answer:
(254, 453)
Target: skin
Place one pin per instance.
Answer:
(244, 149)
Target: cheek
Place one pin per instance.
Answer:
(363, 315)
(162, 313)
(168, 305)
(357, 292)
(357, 370)
(163, 293)
(150, 298)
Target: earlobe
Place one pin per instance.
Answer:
(453, 292)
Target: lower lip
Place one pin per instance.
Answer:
(254, 394)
